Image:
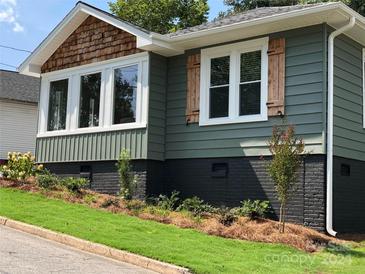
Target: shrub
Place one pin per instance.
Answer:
(74, 184)
(254, 209)
(90, 198)
(128, 180)
(109, 202)
(135, 205)
(168, 203)
(196, 206)
(47, 180)
(286, 149)
(226, 216)
(20, 166)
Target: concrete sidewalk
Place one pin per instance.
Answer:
(24, 253)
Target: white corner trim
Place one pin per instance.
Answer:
(233, 50)
(329, 177)
(106, 69)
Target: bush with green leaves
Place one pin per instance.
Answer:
(47, 180)
(286, 149)
(74, 184)
(196, 206)
(128, 181)
(20, 166)
(168, 202)
(226, 216)
(253, 209)
(110, 202)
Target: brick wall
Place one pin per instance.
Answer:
(93, 41)
(247, 178)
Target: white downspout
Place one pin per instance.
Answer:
(329, 208)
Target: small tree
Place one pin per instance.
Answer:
(286, 149)
(127, 179)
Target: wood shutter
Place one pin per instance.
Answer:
(276, 85)
(193, 88)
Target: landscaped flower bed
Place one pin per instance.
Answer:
(262, 230)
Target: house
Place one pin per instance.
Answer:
(195, 108)
(18, 112)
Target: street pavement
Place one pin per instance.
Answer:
(26, 253)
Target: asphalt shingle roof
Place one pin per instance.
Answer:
(243, 16)
(15, 86)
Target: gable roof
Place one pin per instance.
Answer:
(261, 21)
(242, 17)
(15, 86)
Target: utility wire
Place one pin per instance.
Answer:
(8, 65)
(23, 50)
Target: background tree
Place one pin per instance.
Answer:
(235, 6)
(161, 16)
(286, 149)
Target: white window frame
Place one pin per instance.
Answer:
(234, 51)
(106, 96)
(363, 85)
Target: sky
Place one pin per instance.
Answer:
(25, 23)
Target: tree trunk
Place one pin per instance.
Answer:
(282, 218)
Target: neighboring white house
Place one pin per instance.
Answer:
(18, 112)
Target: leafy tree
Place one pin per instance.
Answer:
(286, 149)
(162, 16)
(236, 6)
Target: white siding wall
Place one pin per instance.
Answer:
(18, 127)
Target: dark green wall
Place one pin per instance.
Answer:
(305, 71)
(92, 147)
(349, 134)
(157, 107)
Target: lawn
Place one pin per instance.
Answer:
(185, 247)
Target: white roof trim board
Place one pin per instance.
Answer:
(253, 23)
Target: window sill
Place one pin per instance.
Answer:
(91, 130)
(239, 120)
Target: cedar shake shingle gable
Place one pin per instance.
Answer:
(93, 41)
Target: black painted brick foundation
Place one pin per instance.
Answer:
(246, 179)
(349, 196)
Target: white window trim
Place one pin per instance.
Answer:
(106, 96)
(234, 51)
(363, 85)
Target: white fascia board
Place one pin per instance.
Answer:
(48, 44)
(31, 66)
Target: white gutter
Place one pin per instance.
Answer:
(329, 208)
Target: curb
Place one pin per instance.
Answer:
(94, 248)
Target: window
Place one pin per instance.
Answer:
(57, 105)
(219, 87)
(90, 100)
(105, 96)
(125, 92)
(234, 83)
(250, 83)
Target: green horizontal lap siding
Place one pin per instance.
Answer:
(157, 107)
(92, 147)
(349, 134)
(304, 106)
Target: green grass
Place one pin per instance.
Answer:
(185, 247)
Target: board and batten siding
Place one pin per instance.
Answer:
(157, 107)
(97, 146)
(349, 133)
(304, 103)
(18, 127)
